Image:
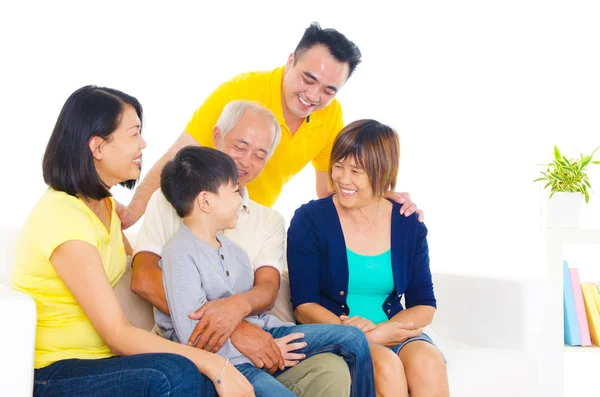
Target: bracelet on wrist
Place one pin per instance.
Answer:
(218, 380)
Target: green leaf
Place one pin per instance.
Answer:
(556, 153)
(585, 161)
(555, 176)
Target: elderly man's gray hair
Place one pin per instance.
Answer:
(233, 112)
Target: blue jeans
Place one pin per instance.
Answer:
(345, 341)
(424, 337)
(133, 376)
(396, 349)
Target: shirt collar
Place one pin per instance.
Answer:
(276, 99)
(312, 120)
(245, 200)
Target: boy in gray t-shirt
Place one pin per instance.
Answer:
(195, 272)
(200, 264)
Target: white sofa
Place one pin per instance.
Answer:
(486, 327)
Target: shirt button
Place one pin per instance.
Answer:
(389, 311)
(389, 304)
(227, 273)
(343, 306)
(222, 257)
(343, 314)
(342, 293)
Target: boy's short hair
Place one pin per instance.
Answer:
(195, 169)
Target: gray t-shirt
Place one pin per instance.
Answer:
(195, 272)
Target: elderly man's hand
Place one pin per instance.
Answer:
(258, 346)
(408, 206)
(128, 215)
(218, 320)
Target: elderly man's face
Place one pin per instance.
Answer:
(248, 144)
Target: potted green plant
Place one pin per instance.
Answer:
(568, 181)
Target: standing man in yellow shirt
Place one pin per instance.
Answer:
(301, 94)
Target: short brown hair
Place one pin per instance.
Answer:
(376, 149)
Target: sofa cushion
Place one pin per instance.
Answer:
(282, 309)
(138, 311)
(489, 372)
(8, 238)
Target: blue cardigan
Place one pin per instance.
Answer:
(318, 262)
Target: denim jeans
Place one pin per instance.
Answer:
(133, 376)
(345, 341)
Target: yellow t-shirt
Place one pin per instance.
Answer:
(313, 141)
(63, 330)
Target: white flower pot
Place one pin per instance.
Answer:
(563, 210)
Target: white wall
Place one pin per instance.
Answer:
(479, 91)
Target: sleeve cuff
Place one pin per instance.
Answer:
(277, 264)
(155, 249)
(426, 302)
(302, 300)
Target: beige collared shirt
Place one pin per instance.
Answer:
(260, 230)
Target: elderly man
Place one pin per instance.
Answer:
(248, 133)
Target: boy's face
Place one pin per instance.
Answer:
(227, 205)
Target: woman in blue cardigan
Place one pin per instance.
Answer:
(352, 256)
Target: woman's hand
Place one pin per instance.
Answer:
(290, 359)
(234, 384)
(359, 322)
(392, 333)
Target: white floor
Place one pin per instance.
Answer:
(581, 372)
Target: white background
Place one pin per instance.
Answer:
(479, 92)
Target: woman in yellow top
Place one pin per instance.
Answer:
(70, 254)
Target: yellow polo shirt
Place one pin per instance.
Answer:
(63, 330)
(313, 141)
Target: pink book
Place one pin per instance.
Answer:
(580, 308)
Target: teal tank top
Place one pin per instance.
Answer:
(370, 282)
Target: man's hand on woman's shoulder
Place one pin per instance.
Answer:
(409, 207)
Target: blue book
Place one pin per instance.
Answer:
(572, 334)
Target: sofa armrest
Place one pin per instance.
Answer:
(485, 311)
(17, 342)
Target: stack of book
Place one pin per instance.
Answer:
(582, 309)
